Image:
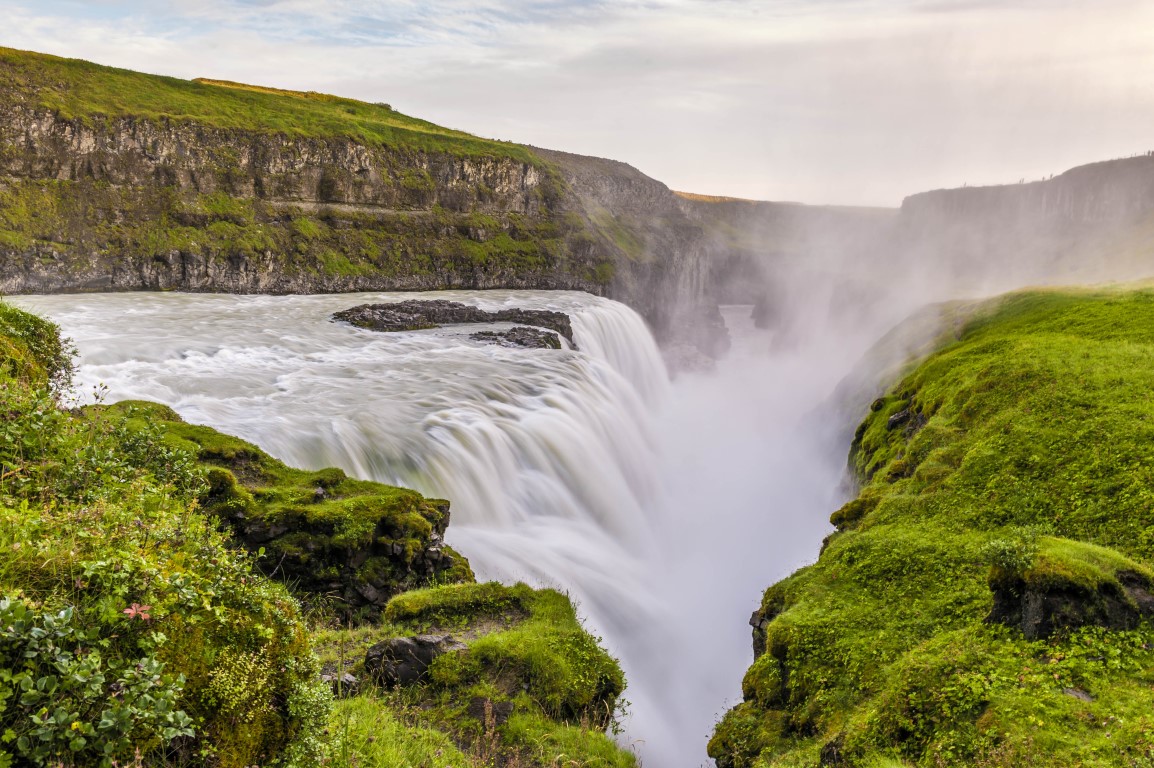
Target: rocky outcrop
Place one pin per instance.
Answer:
(422, 314)
(1069, 584)
(353, 544)
(404, 660)
(521, 336)
(664, 267)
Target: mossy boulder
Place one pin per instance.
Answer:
(507, 671)
(356, 542)
(1071, 584)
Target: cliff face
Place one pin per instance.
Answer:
(667, 266)
(1090, 223)
(130, 203)
(113, 180)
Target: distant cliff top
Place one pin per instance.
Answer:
(77, 89)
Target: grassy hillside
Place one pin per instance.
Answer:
(138, 627)
(986, 598)
(82, 90)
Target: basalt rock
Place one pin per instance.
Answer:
(521, 336)
(492, 714)
(1040, 610)
(405, 660)
(421, 314)
(1070, 585)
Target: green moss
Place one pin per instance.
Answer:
(367, 733)
(543, 742)
(31, 349)
(1021, 446)
(1079, 565)
(462, 604)
(618, 229)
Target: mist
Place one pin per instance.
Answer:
(753, 454)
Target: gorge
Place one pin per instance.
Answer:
(197, 258)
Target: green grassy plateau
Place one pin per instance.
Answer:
(138, 627)
(81, 90)
(985, 599)
(119, 180)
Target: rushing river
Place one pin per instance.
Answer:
(663, 509)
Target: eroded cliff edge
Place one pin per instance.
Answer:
(986, 598)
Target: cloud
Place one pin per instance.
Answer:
(848, 101)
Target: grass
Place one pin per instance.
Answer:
(1022, 447)
(130, 624)
(370, 735)
(79, 90)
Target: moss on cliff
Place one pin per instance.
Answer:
(529, 686)
(985, 600)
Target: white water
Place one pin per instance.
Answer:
(663, 510)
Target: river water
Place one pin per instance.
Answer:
(663, 509)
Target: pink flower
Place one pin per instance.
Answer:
(138, 611)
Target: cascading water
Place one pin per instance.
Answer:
(664, 511)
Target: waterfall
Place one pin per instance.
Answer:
(548, 457)
(663, 510)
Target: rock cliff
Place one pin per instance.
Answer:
(113, 180)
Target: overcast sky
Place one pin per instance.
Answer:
(820, 101)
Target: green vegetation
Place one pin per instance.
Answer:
(135, 631)
(526, 656)
(129, 626)
(985, 598)
(355, 542)
(368, 733)
(81, 90)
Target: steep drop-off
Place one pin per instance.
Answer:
(986, 598)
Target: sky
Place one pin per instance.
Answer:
(855, 102)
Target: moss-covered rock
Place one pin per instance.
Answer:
(355, 541)
(510, 673)
(1070, 584)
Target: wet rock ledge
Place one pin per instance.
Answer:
(416, 314)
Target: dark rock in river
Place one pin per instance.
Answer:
(404, 660)
(414, 315)
(521, 336)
